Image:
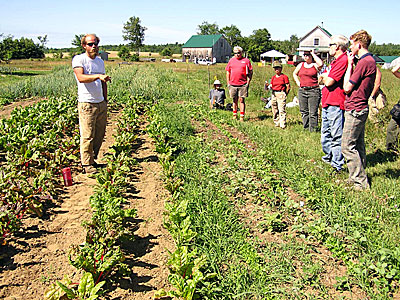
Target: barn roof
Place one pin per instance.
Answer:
(387, 59)
(202, 41)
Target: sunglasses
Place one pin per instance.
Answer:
(92, 44)
(330, 45)
(237, 52)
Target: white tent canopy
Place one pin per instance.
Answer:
(273, 54)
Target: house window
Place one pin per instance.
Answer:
(316, 42)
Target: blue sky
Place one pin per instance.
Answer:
(170, 22)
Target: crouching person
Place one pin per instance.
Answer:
(217, 96)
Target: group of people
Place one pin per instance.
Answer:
(345, 97)
(351, 85)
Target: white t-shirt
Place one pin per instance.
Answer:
(93, 91)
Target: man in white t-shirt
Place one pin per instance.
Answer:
(92, 100)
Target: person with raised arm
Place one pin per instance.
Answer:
(306, 77)
(358, 85)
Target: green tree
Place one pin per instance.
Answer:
(133, 32)
(19, 48)
(258, 42)
(43, 41)
(167, 51)
(207, 28)
(232, 35)
(287, 46)
(77, 40)
(124, 53)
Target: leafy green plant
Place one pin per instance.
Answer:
(273, 222)
(86, 290)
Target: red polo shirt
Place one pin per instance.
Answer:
(238, 69)
(334, 95)
(278, 83)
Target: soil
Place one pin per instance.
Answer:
(37, 255)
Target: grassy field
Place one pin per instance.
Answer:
(256, 203)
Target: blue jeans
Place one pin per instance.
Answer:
(331, 135)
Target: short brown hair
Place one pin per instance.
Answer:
(83, 40)
(362, 37)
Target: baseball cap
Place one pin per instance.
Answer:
(276, 64)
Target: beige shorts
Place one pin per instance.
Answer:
(238, 91)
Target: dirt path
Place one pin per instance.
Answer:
(152, 240)
(38, 255)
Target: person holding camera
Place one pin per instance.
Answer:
(358, 85)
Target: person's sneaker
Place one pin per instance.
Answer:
(360, 188)
(90, 169)
(336, 171)
(241, 119)
(326, 159)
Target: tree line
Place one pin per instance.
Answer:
(258, 42)
(11, 48)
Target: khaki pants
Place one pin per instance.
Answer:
(353, 146)
(92, 127)
(278, 105)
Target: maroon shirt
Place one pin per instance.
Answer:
(334, 94)
(308, 76)
(363, 79)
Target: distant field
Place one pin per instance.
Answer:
(114, 54)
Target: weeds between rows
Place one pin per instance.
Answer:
(203, 211)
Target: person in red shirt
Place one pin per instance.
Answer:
(306, 77)
(358, 86)
(333, 103)
(239, 72)
(280, 88)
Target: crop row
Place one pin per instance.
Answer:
(37, 141)
(101, 256)
(35, 144)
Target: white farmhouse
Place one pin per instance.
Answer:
(317, 39)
